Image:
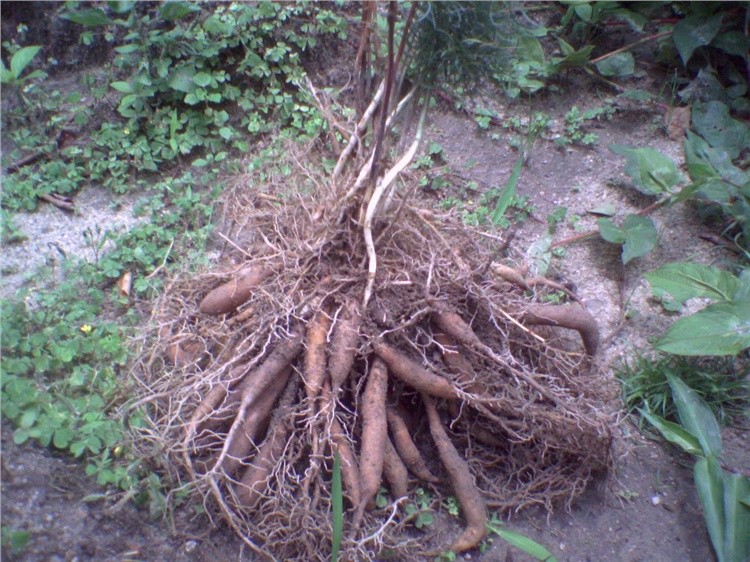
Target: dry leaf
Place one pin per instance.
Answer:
(678, 121)
(124, 284)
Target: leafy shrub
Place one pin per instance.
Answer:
(196, 76)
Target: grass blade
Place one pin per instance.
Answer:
(709, 482)
(696, 416)
(524, 543)
(337, 507)
(509, 192)
(737, 530)
(675, 434)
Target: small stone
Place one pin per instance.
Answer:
(190, 546)
(655, 500)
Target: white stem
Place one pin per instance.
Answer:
(354, 139)
(364, 173)
(372, 205)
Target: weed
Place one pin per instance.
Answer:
(420, 509)
(9, 233)
(14, 541)
(451, 506)
(645, 385)
(577, 122)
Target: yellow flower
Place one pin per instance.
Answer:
(86, 329)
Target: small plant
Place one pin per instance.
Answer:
(576, 122)
(420, 509)
(13, 76)
(451, 506)
(723, 492)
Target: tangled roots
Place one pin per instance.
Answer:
(258, 375)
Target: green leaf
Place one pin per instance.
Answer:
(524, 543)
(121, 6)
(707, 163)
(127, 49)
(509, 192)
(540, 255)
(709, 483)
(604, 210)
(610, 231)
(693, 32)
(737, 516)
(621, 64)
(123, 87)
(182, 80)
(202, 79)
(20, 436)
(732, 42)
(6, 76)
(22, 58)
(62, 438)
(712, 121)
(652, 172)
(637, 235)
(695, 416)
(90, 17)
(720, 329)
(337, 508)
(571, 57)
(743, 290)
(177, 10)
(583, 11)
(19, 540)
(685, 281)
(674, 433)
(28, 418)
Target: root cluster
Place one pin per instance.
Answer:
(454, 378)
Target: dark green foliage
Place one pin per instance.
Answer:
(64, 348)
(461, 43)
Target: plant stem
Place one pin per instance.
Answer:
(373, 204)
(631, 45)
(583, 236)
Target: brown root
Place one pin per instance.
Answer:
(315, 354)
(567, 316)
(344, 344)
(395, 472)
(374, 435)
(414, 374)
(249, 426)
(406, 448)
(227, 297)
(256, 476)
(469, 497)
(349, 467)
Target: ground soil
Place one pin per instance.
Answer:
(646, 508)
